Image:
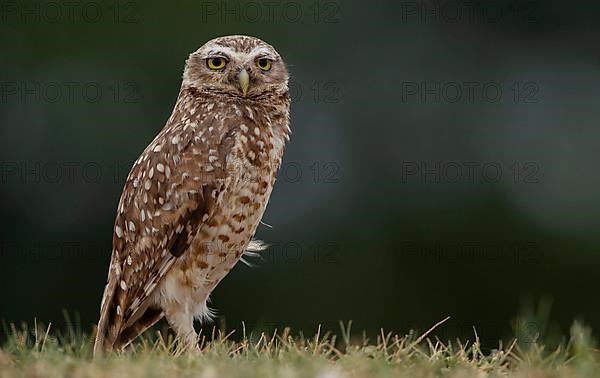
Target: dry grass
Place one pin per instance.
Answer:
(38, 352)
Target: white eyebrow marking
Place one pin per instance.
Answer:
(222, 50)
(258, 51)
(265, 51)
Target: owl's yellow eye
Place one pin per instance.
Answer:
(216, 63)
(264, 64)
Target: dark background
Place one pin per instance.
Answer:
(444, 159)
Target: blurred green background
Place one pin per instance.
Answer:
(444, 158)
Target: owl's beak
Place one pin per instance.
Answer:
(244, 80)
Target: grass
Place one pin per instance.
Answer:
(39, 352)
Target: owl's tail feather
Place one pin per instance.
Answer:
(103, 324)
(112, 319)
(112, 333)
(150, 317)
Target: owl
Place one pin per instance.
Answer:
(194, 198)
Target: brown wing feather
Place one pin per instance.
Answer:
(170, 193)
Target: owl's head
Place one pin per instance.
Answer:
(236, 65)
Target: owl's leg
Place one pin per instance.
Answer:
(183, 324)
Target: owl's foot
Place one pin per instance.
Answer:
(188, 343)
(183, 324)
